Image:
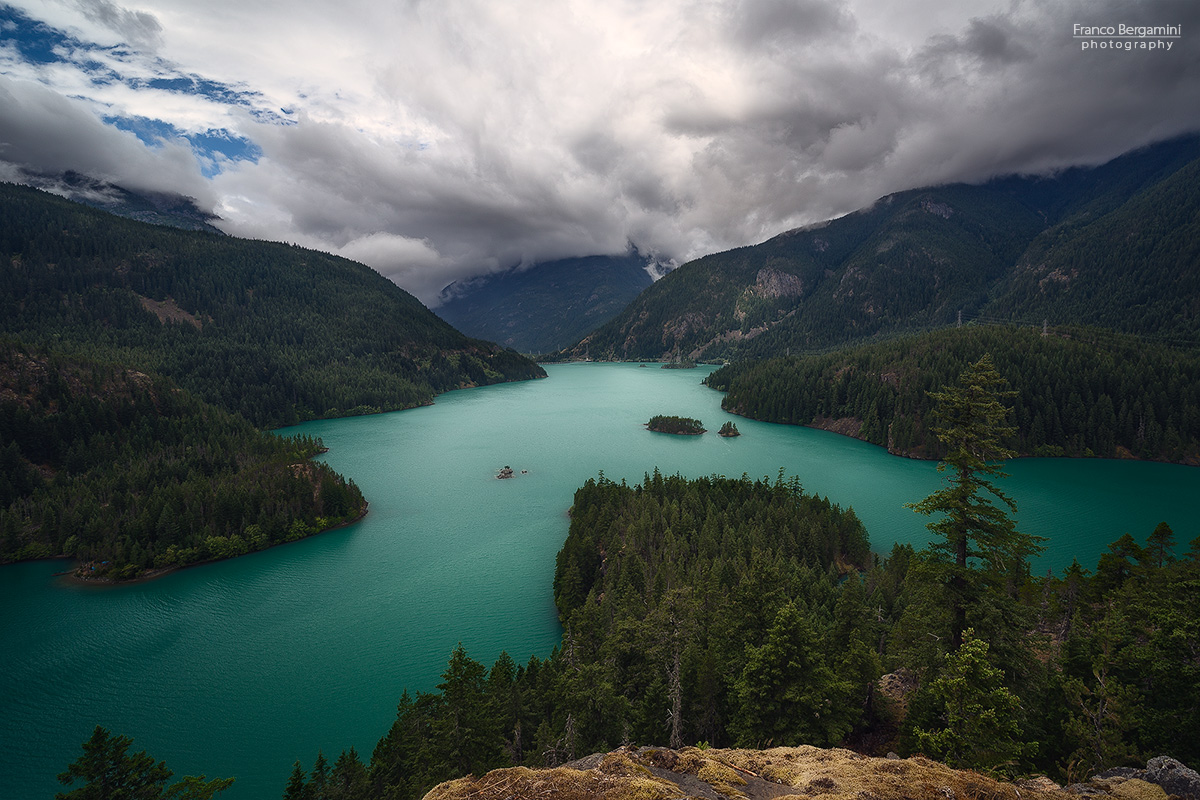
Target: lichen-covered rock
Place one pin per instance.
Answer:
(1174, 777)
(791, 773)
(782, 772)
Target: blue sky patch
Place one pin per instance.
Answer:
(37, 42)
(208, 146)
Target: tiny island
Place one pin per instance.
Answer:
(729, 429)
(684, 426)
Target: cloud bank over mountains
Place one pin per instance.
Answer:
(435, 141)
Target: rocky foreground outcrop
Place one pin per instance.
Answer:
(789, 773)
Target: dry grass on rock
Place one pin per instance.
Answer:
(781, 773)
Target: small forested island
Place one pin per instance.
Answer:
(683, 363)
(684, 426)
(729, 429)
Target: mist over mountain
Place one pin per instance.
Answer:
(158, 208)
(1114, 246)
(547, 306)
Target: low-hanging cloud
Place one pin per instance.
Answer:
(440, 141)
(42, 132)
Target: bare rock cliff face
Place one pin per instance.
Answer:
(772, 283)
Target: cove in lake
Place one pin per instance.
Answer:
(242, 667)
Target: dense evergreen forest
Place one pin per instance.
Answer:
(735, 612)
(127, 473)
(665, 589)
(684, 426)
(1080, 392)
(276, 333)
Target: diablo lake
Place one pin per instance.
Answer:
(242, 667)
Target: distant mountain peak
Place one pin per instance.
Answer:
(543, 307)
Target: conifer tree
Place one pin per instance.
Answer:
(971, 421)
(348, 780)
(977, 718)
(108, 772)
(295, 789)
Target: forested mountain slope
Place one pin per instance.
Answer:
(1135, 268)
(274, 332)
(547, 306)
(1114, 246)
(1079, 391)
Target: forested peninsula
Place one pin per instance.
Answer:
(130, 475)
(1079, 391)
(139, 366)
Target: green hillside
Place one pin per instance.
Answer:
(276, 333)
(1113, 246)
(136, 362)
(1135, 268)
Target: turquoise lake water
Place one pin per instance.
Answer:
(242, 667)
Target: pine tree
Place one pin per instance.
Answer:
(295, 789)
(1159, 545)
(109, 772)
(465, 729)
(787, 693)
(348, 780)
(977, 717)
(971, 423)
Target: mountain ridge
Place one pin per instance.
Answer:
(274, 332)
(921, 258)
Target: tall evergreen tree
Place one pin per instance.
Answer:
(466, 729)
(971, 421)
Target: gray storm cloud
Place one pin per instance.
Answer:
(43, 132)
(138, 28)
(440, 141)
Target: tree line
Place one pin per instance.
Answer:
(1079, 391)
(276, 333)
